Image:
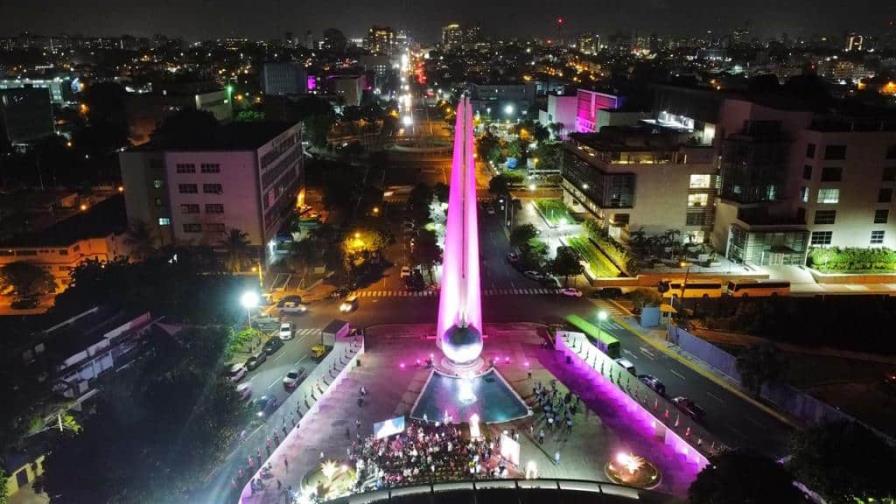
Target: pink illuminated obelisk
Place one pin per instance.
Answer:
(459, 329)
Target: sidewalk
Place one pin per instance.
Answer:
(657, 339)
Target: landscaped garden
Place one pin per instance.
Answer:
(597, 264)
(852, 260)
(555, 212)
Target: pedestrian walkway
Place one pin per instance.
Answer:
(534, 291)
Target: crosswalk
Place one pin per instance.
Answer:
(486, 292)
(300, 333)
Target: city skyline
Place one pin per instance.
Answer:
(205, 19)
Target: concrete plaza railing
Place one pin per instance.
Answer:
(654, 415)
(307, 397)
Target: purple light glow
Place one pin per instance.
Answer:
(311, 82)
(459, 300)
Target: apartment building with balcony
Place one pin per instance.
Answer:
(245, 176)
(641, 178)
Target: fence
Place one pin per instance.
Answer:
(800, 405)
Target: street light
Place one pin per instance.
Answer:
(601, 316)
(250, 301)
(687, 271)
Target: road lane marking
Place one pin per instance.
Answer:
(628, 352)
(717, 398)
(272, 383)
(676, 373)
(647, 352)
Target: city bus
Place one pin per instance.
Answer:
(757, 288)
(695, 288)
(604, 341)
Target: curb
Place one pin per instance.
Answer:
(704, 372)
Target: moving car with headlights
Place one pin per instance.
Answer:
(285, 332)
(689, 407)
(291, 304)
(265, 405)
(349, 304)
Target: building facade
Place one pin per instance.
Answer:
(248, 180)
(589, 105)
(283, 78)
(502, 101)
(380, 40)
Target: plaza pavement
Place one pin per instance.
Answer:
(600, 430)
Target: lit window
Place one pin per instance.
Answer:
(820, 238)
(698, 200)
(164, 221)
(829, 195)
(700, 181)
(804, 194)
(877, 237)
(157, 183)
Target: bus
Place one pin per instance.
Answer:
(758, 288)
(604, 341)
(695, 288)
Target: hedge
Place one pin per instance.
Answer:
(852, 260)
(598, 263)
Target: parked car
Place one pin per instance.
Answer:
(272, 345)
(244, 390)
(256, 359)
(265, 405)
(405, 271)
(607, 293)
(285, 332)
(627, 365)
(292, 304)
(689, 407)
(490, 210)
(293, 378)
(237, 372)
(349, 304)
(654, 383)
(533, 275)
(571, 292)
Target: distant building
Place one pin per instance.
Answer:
(854, 42)
(380, 40)
(26, 115)
(589, 43)
(246, 177)
(455, 35)
(562, 110)
(60, 88)
(631, 178)
(379, 64)
(146, 111)
(589, 105)
(503, 101)
(348, 87)
(285, 78)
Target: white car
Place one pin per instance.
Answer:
(293, 307)
(292, 378)
(237, 372)
(349, 304)
(285, 332)
(405, 271)
(244, 390)
(571, 292)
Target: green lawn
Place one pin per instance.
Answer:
(597, 263)
(554, 211)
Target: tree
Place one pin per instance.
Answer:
(141, 240)
(843, 461)
(26, 280)
(758, 365)
(642, 297)
(236, 249)
(566, 264)
(187, 128)
(305, 253)
(4, 496)
(499, 184)
(743, 478)
(426, 251)
(556, 129)
(318, 127)
(522, 234)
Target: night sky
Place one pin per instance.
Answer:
(198, 19)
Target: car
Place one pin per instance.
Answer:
(264, 406)
(292, 304)
(490, 210)
(272, 345)
(26, 303)
(244, 390)
(627, 365)
(549, 281)
(318, 352)
(349, 304)
(654, 383)
(607, 293)
(571, 292)
(341, 292)
(237, 372)
(256, 359)
(689, 407)
(293, 378)
(285, 332)
(533, 275)
(405, 271)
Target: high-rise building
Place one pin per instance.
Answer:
(245, 176)
(589, 43)
(284, 78)
(854, 42)
(380, 40)
(456, 35)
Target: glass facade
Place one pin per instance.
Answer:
(768, 248)
(754, 164)
(606, 190)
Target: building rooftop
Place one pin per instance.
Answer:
(641, 138)
(235, 136)
(102, 219)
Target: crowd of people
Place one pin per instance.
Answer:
(558, 409)
(424, 452)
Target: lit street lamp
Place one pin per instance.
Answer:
(249, 300)
(684, 284)
(601, 316)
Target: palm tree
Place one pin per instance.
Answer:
(236, 249)
(141, 239)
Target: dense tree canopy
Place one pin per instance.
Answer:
(743, 478)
